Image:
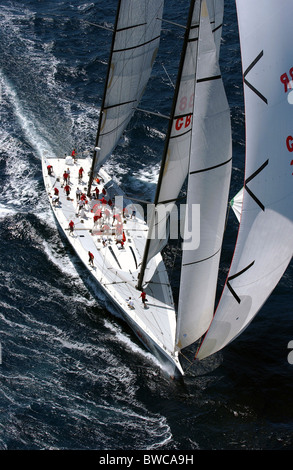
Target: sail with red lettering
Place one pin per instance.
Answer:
(265, 239)
(176, 157)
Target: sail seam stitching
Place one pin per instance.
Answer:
(211, 167)
(137, 46)
(120, 104)
(202, 260)
(131, 27)
(217, 27)
(182, 116)
(180, 135)
(216, 77)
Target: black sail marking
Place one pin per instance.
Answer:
(257, 92)
(233, 277)
(207, 79)
(115, 257)
(249, 179)
(133, 254)
(135, 47)
(211, 167)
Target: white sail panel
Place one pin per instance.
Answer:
(208, 186)
(265, 239)
(135, 45)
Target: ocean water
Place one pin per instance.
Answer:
(72, 374)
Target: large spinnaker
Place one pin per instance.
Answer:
(208, 188)
(265, 240)
(135, 44)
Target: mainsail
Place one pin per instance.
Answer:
(208, 187)
(174, 166)
(265, 240)
(134, 47)
(176, 156)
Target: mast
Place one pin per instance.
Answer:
(166, 151)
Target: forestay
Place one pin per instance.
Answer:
(208, 187)
(265, 239)
(134, 47)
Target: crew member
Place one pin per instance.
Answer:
(91, 258)
(71, 226)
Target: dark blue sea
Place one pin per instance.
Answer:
(73, 376)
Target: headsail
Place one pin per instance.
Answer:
(134, 47)
(265, 239)
(208, 186)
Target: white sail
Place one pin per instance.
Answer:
(134, 48)
(265, 239)
(175, 162)
(208, 187)
(176, 155)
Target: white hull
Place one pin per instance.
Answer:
(114, 269)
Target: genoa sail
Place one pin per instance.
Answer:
(134, 47)
(208, 188)
(265, 239)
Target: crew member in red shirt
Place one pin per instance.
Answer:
(67, 190)
(71, 226)
(91, 258)
(143, 298)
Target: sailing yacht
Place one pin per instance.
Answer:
(108, 231)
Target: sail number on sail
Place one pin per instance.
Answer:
(183, 121)
(288, 85)
(185, 105)
(285, 80)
